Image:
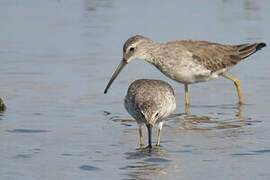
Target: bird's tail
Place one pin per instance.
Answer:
(245, 50)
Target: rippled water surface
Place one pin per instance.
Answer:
(57, 57)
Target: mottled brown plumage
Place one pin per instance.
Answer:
(216, 56)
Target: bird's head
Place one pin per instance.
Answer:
(151, 112)
(135, 47)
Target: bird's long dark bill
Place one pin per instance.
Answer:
(115, 74)
(149, 128)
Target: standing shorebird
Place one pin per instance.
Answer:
(187, 61)
(149, 102)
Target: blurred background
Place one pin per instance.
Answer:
(57, 57)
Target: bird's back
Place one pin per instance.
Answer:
(214, 56)
(146, 92)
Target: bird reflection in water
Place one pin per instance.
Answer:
(231, 116)
(223, 117)
(146, 163)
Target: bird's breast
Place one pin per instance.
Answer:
(184, 71)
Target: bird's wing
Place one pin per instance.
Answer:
(216, 56)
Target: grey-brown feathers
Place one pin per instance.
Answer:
(146, 97)
(216, 56)
(133, 40)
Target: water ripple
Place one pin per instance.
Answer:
(27, 131)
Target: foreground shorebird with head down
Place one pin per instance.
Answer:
(149, 102)
(187, 61)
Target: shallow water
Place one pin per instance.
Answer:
(57, 57)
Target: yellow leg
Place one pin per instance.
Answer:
(141, 137)
(159, 132)
(237, 85)
(186, 94)
(239, 113)
(187, 109)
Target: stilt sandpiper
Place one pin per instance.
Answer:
(187, 61)
(149, 102)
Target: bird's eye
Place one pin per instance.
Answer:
(156, 115)
(131, 49)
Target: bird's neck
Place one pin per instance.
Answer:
(151, 53)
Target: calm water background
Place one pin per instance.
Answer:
(57, 57)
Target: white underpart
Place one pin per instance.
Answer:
(167, 111)
(216, 74)
(188, 71)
